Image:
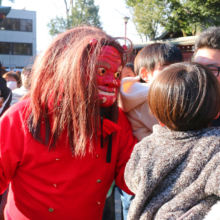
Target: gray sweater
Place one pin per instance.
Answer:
(174, 174)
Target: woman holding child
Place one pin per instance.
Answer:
(174, 172)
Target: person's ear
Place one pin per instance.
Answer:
(216, 116)
(144, 74)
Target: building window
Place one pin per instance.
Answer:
(4, 48)
(22, 49)
(15, 24)
(16, 48)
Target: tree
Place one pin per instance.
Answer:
(147, 16)
(8, 0)
(174, 15)
(84, 12)
(191, 15)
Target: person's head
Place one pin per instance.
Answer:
(26, 77)
(185, 96)
(18, 72)
(153, 58)
(207, 50)
(128, 71)
(2, 69)
(13, 80)
(75, 76)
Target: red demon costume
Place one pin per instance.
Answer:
(59, 156)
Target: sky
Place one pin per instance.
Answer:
(111, 16)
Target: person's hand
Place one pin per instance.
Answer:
(1, 102)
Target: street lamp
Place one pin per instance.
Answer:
(126, 21)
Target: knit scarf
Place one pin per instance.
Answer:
(172, 173)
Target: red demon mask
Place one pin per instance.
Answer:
(108, 76)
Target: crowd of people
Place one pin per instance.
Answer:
(16, 83)
(84, 119)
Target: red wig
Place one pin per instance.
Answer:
(64, 90)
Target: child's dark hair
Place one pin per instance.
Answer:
(155, 55)
(185, 96)
(130, 66)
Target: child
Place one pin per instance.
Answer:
(148, 63)
(128, 71)
(175, 172)
(133, 93)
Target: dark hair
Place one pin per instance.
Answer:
(130, 66)
(18, 72)
(155, 55)
(15, 76)
(185, 96)
(209, 38)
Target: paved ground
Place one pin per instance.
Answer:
(117, 205)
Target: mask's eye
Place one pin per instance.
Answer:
(117, 75)
(101, 71)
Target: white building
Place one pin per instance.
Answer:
(18, 39)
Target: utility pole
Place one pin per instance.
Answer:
(126, 21)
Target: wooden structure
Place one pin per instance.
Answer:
(185, 44)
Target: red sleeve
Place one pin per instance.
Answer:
(126, 145)
(11, 144)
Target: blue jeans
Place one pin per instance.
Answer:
(126, 201)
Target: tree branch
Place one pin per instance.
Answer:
(67, 10)
(71, 6)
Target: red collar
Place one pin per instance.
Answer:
(108, 127)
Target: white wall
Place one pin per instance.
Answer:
(19, 37)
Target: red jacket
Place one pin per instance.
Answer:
(53, 184)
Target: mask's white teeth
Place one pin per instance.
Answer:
(106, 93)
(104, 99)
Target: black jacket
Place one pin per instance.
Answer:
(216, 122)
(6, 94)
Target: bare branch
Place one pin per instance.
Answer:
(67, 10)
(71, 6)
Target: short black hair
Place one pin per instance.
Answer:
(130, 66)
(210, 38)
(157, 54)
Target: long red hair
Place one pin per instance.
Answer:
(64, 88)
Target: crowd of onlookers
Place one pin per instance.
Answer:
(13, 87)
(173, 173)
(17, 82)
(149, 62)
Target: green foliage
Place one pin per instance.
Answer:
(8, 0)
(147, 16)
(191, 15)
(174, 15)
(133, 3)
(84, 12)
(57, 25)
